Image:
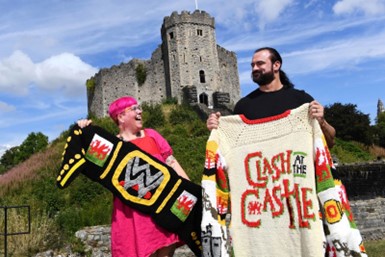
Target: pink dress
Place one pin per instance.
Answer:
(134, 234)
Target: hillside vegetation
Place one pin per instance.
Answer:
(57, 214)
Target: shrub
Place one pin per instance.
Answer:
(105, 122)
(171, 100)
(141, 73)
(182, 114)
(90, 85)
(349, 152)
(44, 233)
(153, 116)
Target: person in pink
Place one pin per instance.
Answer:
(134, 234)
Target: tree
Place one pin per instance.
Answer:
(8, 159)
(350, 123)
(32, 144)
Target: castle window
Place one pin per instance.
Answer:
(171, 34)
(202, 76)
(204, 99)
(199, 32)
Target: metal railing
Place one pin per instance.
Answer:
(6, 233)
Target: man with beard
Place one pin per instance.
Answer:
(275, 95)
(261, 161)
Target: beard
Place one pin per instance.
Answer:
(262, 79)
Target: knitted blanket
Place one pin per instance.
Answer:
(138, 179)
(268, 190)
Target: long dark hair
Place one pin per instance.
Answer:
(275, 56)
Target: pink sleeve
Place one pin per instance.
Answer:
(164, 147)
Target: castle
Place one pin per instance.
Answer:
(187, 66)
(380, 107)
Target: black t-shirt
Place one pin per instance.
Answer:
(259, 104)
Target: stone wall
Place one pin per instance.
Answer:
(363, 180)
(96, 242)
(229, 77)
(121, 80)
(365, 186)
(369, 215)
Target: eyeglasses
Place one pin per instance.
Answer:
(134, 108)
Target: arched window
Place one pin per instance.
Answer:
(202, 76)
(204, 99)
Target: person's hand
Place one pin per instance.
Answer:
(213, 121)
(316, 111)
(84, 123)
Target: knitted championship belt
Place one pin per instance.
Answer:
(138, 179)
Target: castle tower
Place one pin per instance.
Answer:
(193, 59)
(188, 66)
(380, 107)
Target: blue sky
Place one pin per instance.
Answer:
(333, 49)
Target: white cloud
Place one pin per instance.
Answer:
(64, 71)
(327, 56)
(16, 73)
(269, 10)
(372, 7)
(4, 107)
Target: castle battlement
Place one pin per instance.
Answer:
(197, 17)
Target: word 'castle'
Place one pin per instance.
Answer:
(187, 66)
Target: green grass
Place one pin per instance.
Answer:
(375, 248)
(348, 152)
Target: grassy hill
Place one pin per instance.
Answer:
(57, 214)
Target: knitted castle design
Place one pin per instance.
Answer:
(187, 66)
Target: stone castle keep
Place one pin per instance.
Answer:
(188, 66)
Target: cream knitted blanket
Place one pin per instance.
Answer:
(274, 176)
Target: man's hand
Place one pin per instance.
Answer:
(213, 121)
(316, 111)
